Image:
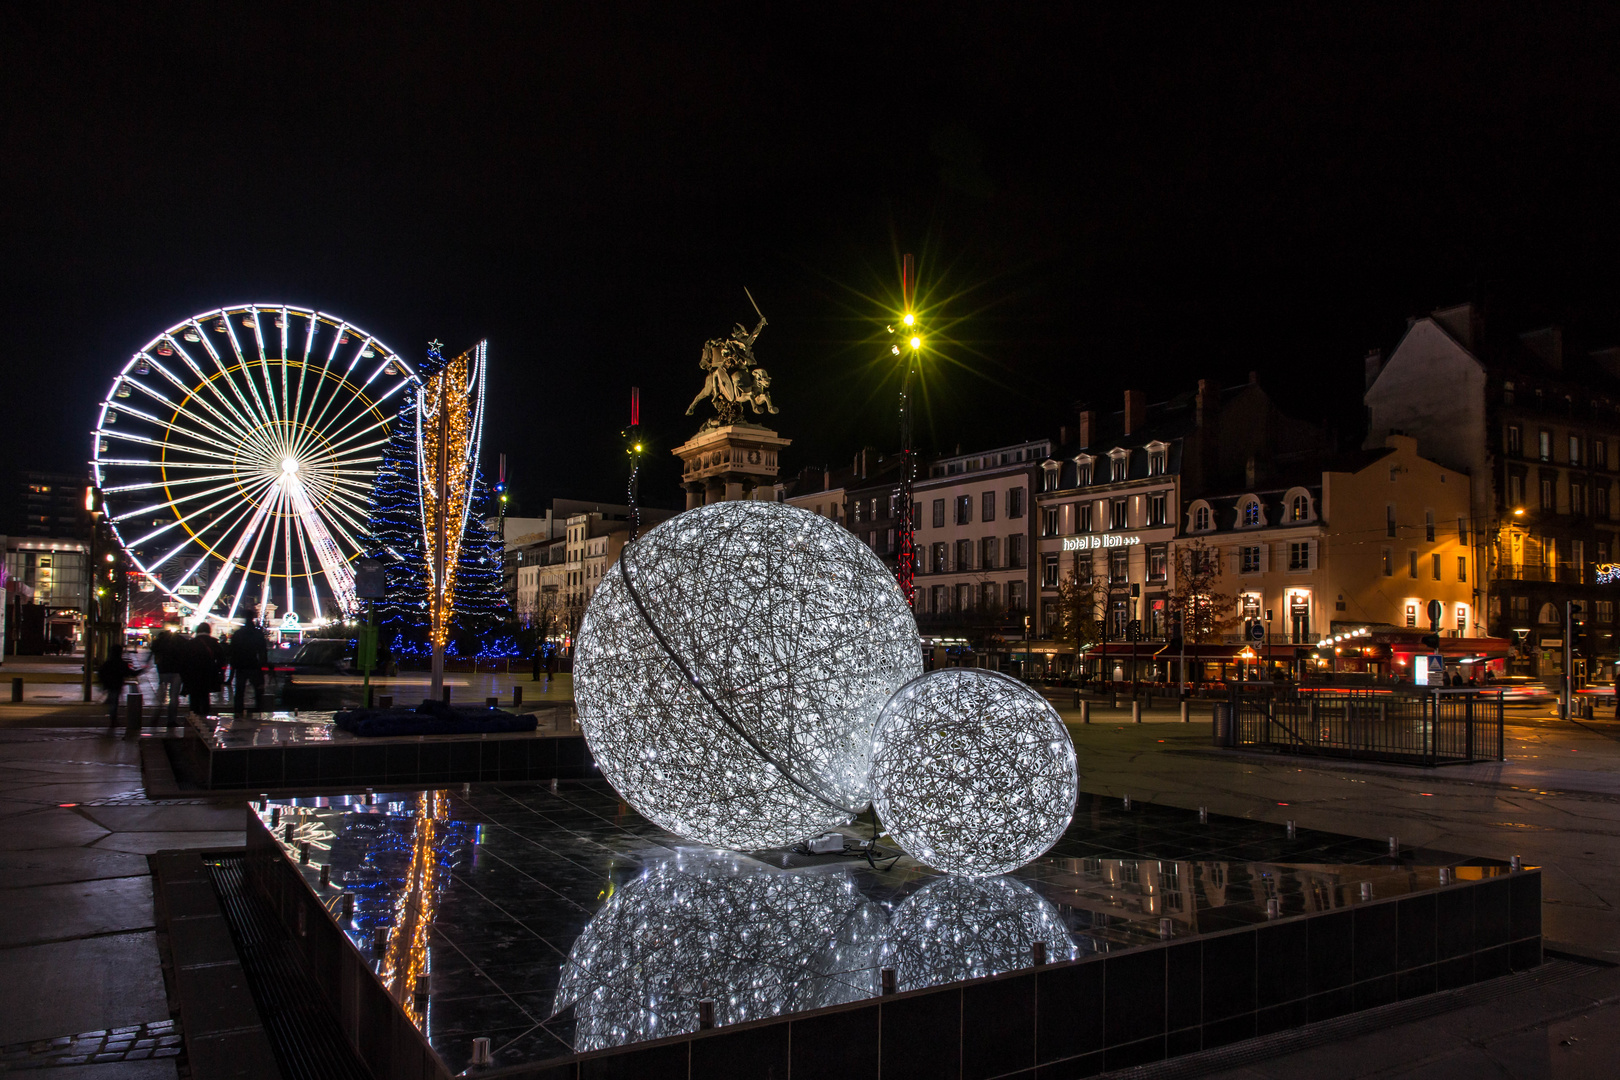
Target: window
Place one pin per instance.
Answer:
(1577, 497)
(1251, 512)
(857, 511)
(1049, 521)
(1299, 555)
(1156, 463)
(1249, 559)
(1082, 517)
(1515, 489)
(939, 513)
(1389, 563)
(1049, 478)
(1411, 564)
(1049, 570)
(1574, 449)
(1119, 465)
(989, 595)
(1389, 520)
(1462, 568)
(964, 597)
(939, 559)
(1507, 393)
(1158, 560)
(941, 605)
(1600, 500)
(1577, 556)
(987, 506)
(988, 552)
(1515, 440)
(1116, 514)
(1544, 445)
(1300, 510)
(890, 542)
(1119, 566)
(1082, 569)
(1462, 619)
(1462, 531)
(1015, 596)
(1605, 611)
(1520, 608)
(1600, 454)
(1082, 473)
(1602, 551)
(1411, 615)
(964, 509)
(1156, 509)
(1428, 525)
(1249, 605)
(1549, 495)
(1201, 519)
(1434, 567)
(964, 555)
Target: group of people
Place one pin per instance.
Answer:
(196, 664)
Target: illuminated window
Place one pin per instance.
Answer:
(1251, 513)
(1249, 559)
(1301, 509)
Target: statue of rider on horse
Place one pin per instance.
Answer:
(734, 380)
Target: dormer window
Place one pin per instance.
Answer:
(1158, 454)
(1049, 476)
(1119, 464)
(1202, 519)
(1249, 513)
(1082, 471)
(1300, 509)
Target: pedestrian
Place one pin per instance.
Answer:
(535, 664)
(250, 653)
(203, 668)
(113, 673)
(168, 647)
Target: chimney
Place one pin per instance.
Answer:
(1063, 435)
(1548, 344)
(1371, 366)
(1463, 323)
(1207, 401)
(1135, 411)
(1088, 427)
(826, 478)
(1254, 378)
(1608, 360)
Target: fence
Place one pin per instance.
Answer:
(1434, 727)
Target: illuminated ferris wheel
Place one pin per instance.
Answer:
(235, 454)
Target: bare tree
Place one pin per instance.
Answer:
(1204, 612)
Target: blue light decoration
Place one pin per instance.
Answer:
(394, 534)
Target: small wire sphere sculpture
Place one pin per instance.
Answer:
(730, 668)
(957, 928)
(972, 772)
(755, 940)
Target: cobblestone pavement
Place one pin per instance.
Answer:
(137, 1042)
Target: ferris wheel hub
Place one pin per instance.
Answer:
(289, 465)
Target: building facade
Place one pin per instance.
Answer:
(1536, 425)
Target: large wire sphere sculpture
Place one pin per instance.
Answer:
(972, 771)
(957, 928)
(755, 940)
(730, 668)
(236, 451)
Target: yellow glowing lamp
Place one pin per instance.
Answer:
(638, 448)
(916, 342)
(910, 319)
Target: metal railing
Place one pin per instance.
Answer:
(1415, 727)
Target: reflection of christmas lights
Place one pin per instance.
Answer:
(406, 957)
(755, 940)
(958, 928)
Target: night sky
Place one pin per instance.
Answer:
(1099, 199)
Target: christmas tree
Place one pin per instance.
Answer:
(394, 534)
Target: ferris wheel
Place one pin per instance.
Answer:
(235, 453)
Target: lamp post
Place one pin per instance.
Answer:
(910, 346)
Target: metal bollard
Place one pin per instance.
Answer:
(1290, 828)
(1366, 890)
(491, 703)
(1394, 845)
(447, 695)
(348, 905)
(705, 1015)
(480, 1052)
(1271, 908)
(1136, 711)
(303, 853)
(1165, 930)
(1077, 697)
(1038, 953)
(385, 701)
(379, 939)
(326, 875)
(886, 983)
(1127, 802)
(287, 832)
(1445, 875)
(421, 994)
(1150, 699)
(1085, 712)
(1186, 712)
(1203, 815)
(132, 716)
(16, 688)
(554, 785)
(517, 696)
(1515, 863)
(275, 816)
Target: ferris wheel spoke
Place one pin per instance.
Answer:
(335, 566)
(231, 448)
(194, 395)
(286, 323)
(162, 400)
(226, 523)
(143, 511)
(141, 541)
(246, 411)
(263, 413)
(247, 573)
(303, 368)
(343, 436)
(210, 596)
(251, 315)
(309, 564)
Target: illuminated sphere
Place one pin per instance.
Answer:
(728, 687)
(972, 771)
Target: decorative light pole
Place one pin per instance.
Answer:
(910, 346)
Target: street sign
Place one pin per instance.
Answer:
(1437, 611)
(370, 582)
(1257, 630)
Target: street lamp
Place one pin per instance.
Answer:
(907, 570)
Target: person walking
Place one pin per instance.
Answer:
(250, 654)
(203, 668)
(113, 673)
(168, 648)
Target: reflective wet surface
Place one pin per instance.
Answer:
(556, 922)
(307, 727)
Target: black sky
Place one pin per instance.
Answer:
(1104, 197)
